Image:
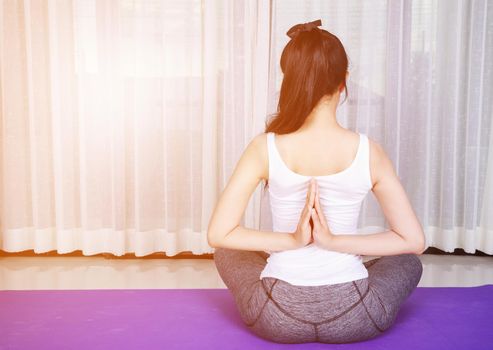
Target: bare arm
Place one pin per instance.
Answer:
(406, 235)
(224, 229)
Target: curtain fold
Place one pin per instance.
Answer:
(122, 120)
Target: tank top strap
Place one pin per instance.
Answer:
(274, 164)
(363, 161)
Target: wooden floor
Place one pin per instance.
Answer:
(30, 271)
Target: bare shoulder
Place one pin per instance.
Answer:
(257, 150)
(381, 165)
(259, 140)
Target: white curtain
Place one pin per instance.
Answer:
(421, 84)
(121, 121)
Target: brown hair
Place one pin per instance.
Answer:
(314, 63)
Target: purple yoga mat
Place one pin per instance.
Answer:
(431, 318)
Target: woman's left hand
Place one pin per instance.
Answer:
(321, 233)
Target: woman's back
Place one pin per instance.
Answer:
(344, 300)
(341, 195)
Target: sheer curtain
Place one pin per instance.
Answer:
(121, 121)
(420, 84)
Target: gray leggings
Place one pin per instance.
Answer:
(278, 311)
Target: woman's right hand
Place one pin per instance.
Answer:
(303, 234)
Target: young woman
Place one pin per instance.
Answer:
(305, 280)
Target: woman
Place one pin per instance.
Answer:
(305, 281)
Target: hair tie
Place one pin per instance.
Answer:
(303, 27)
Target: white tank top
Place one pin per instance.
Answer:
(341, 195)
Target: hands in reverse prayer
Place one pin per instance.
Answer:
(312, 226)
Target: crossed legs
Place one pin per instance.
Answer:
(341, 313)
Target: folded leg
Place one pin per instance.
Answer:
(240, 271)
(391, 279)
